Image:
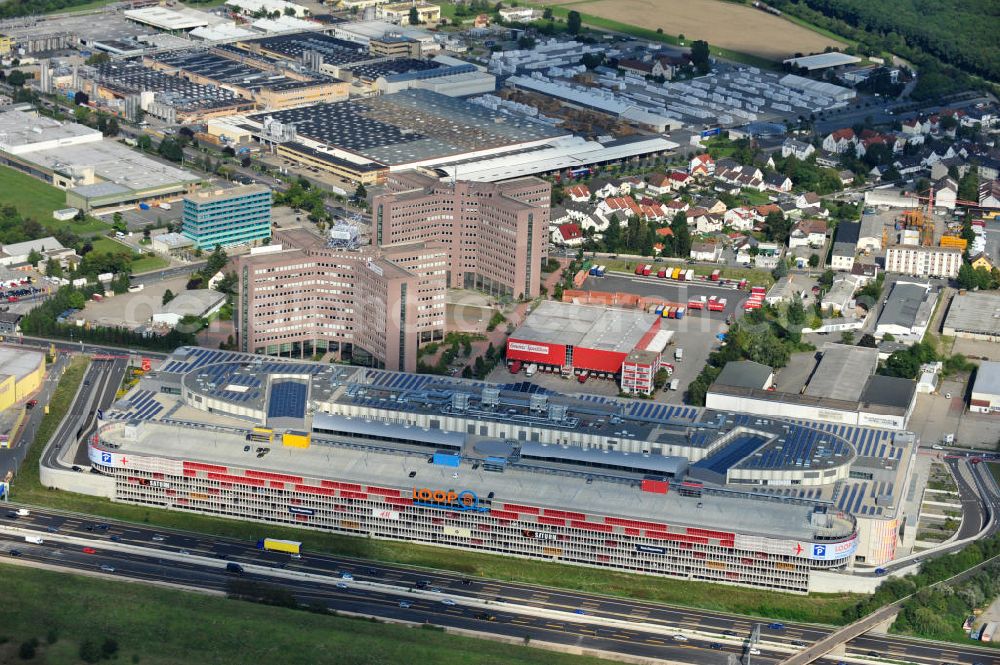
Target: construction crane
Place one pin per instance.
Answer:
(920, 216)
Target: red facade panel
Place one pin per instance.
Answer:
(199, 466)
(522, 509)
(528, 351)
(596, 360)
(309, 489)
(382, 491)
(603, 528)
(347, 494)
(552, 521)
(655, 486)
(267, 475)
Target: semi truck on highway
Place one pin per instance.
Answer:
(37, 540)
(276, 545)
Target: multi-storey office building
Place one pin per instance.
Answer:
(496, 233)
(658, 489)
(227, 216)
(373, 305)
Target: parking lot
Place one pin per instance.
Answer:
(669, 290)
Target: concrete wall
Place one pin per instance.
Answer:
(825, 581)
(75, 481)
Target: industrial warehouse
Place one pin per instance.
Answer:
(512, 469)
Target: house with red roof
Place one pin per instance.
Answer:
(578, 193)
(568, 235)
(840, 141)
(659, 184)
(701, 165)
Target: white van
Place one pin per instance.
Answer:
(674, 384)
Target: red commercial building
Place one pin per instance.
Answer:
(585, 339)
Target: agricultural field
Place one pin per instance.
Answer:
(728, 25)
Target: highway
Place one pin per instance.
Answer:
(581, 619)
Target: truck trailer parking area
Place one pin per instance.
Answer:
(671, 291)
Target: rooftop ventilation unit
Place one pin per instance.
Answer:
(490, 396)
(538, 402)
(460, 401)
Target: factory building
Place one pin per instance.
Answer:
(21, 373)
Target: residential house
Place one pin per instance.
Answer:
(709, 223)
(869, 138)
(742, 247)
(659, 184)
(711, 204)
(989, 194)
(838, 298)
(845, 245)
(916, 126)
(623, 206)
(989, 168)
(864, 272)
(568, 235)
(827, 159)
(840, 141)
(578, 193)
(559, 216)
(870, 233)
(808, 233)
(798, 149)
(945, 193)
(807, 200)
(602, 189)
(908, 165)
(632, 184)
(761, 212)
(846, 178)
(642, 68)
(701, 165)
(740, 219)
(665, 232)
(680, 179)
(778, 182)
(676, 206)
(706, 251)
(980, 260)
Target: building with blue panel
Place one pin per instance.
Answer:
(227, 217)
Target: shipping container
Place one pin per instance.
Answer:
(715, 275)
(680, 313)
(689, 275)
(639, 268)
(717, 305)
(697, 303)
(742, 284)
(659, 310)
(515, 367)
(675, 273)
(646, 270)
(164, 205)
(530, 370)
(662, 273)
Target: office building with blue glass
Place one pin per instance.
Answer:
(227, 217)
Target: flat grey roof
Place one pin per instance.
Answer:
(744, 374)
(592, 327)
(975, 313)
(841, 372)
(889, 391)
(987, 378)
(21, 128)
(327, 461)
(902, 305)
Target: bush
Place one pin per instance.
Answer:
(90, 652)
(110, 647)
(27, 649)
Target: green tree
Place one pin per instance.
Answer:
(826, 279)
(847, 337)
(700, 56)
(660, 378)
(98, 59)
(144, 143)
(53, 268)
(813, 260)
(682, 235)
(16, 78)
(777, 227)
(414, 16)
(573, 22)
(168, 295)
(170, 149)
(796, 312)
(968, 186)
(34, 256)
(547, 14)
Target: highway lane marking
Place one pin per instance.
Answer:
(653, 640)
(554, 625)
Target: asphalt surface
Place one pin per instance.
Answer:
(670, 290)
(11, 458)
(653, 625)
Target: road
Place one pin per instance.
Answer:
(12, 458)
(167, 273)
(517, 606)
(100, 383)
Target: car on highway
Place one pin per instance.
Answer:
(184, 552)
(15, 553)
(31, 403)
(798, 643)
(347, 576)
(295, 555)
(447, 601)
(754, 651)
(106, 568)
(342, 585)
(716, 646)
(486, 616)
(405, 604)
(89, 550)
(776, 626)
(77, 469)
(680, 638)
(466, 582)
(434, 589)
(880, 571)
(23, 512)
(158, 538)
(579, 612)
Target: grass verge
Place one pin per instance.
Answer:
(155, 626)
(140, 262)
(36, 199)
(820, 608)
